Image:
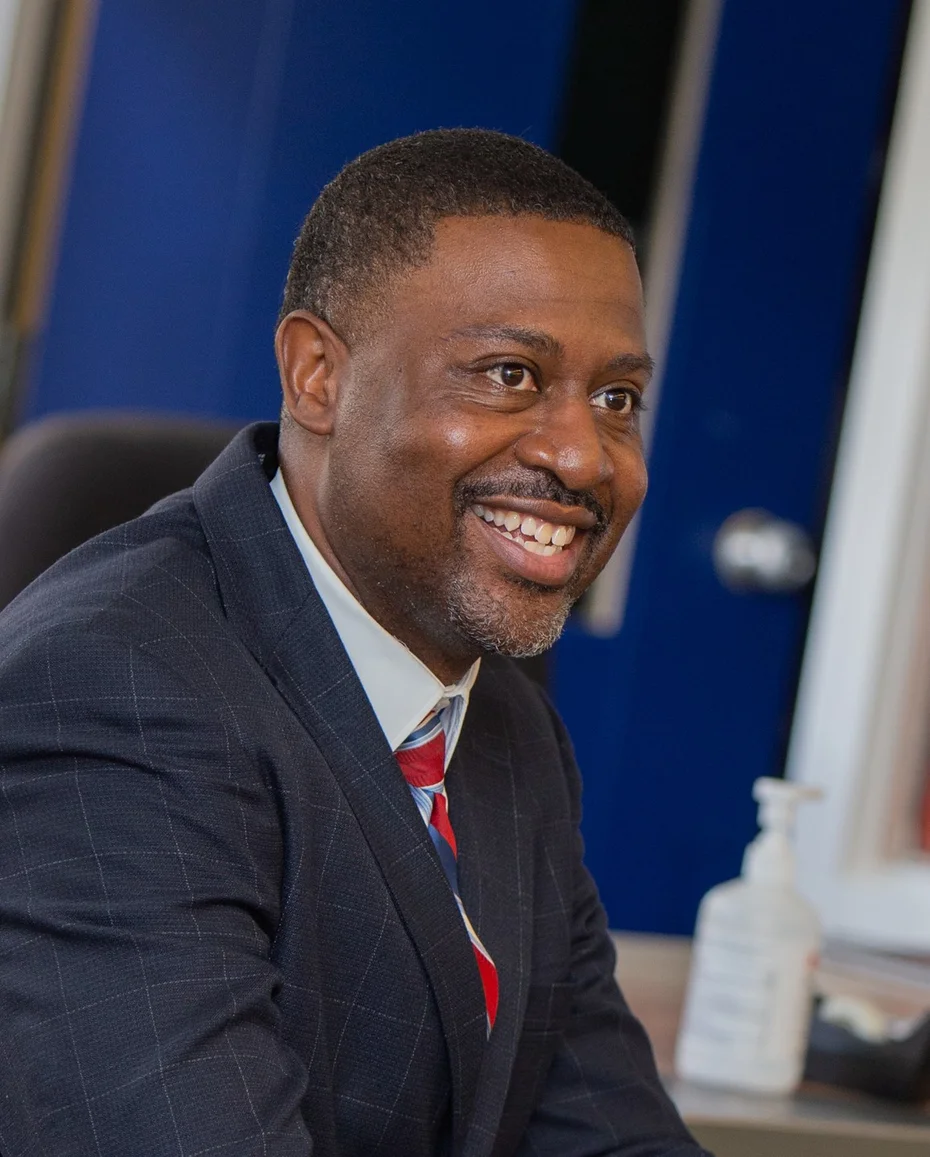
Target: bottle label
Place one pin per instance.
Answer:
(749, 996)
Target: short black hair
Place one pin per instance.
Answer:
(378, 216)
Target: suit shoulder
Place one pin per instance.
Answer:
(503, 680)
(506, 701)
(130, 574)
(506, 672)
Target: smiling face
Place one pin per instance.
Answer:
(469, 465)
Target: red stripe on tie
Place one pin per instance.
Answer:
(489, 983)
(439, 818)
(423, 766)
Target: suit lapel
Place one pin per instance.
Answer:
(270, 599)
(495, 837)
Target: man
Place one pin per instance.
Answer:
(290, 853)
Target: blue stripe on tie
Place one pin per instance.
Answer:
(446, 858)
(423, 734)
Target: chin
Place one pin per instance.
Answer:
(495, 626)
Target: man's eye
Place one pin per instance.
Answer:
(513, 376)
(620, 400)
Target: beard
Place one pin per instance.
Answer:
(491, 626)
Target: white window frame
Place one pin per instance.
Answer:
(863, 719)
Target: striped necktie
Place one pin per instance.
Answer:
(422, 758)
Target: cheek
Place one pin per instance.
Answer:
(441, 448)
(457, 438)
(630, 480)
(641, 483)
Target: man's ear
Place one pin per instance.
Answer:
(311, 357)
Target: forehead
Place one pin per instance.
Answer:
(526, 271)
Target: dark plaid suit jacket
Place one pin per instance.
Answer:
(223, 927)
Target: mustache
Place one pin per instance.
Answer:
(539, 485)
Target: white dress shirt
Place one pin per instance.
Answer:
(401, 689)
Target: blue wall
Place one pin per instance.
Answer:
(208, 130)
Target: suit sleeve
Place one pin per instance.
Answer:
(140, 862)
(602, 1094)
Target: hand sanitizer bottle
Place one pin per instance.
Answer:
(756, 946)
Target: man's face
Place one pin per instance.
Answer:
(485, 453)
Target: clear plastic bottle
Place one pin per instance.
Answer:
(756, 946)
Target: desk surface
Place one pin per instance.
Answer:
(653, 972)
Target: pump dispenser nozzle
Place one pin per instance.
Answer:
(778, 801)
(770, 856)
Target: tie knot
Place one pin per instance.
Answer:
(422, 755)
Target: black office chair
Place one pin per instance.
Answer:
(66, 478)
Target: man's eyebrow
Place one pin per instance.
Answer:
(534, 339)
(549, 346)
(631, 364)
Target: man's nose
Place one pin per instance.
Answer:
(566, 441)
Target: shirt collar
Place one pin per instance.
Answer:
(401, 689)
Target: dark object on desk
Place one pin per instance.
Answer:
(68, 477)
(899, 1069)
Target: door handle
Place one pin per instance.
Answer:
(756, 551)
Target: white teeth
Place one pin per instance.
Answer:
(535, 547)
(539, 537)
